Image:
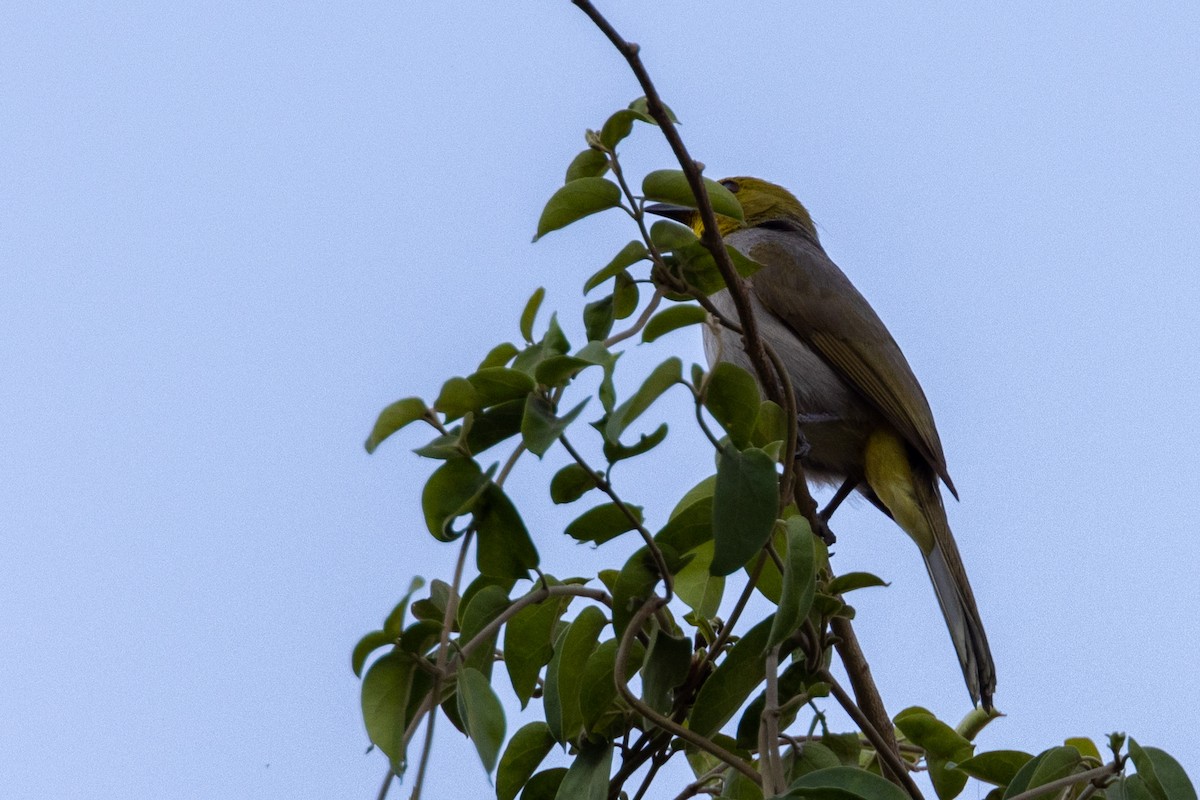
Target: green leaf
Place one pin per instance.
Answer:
(557, 371)
(697, 586)
(499, 355)
(625, 296)
(599, 691)
(615, 452)
(854, 580)
(846, 746)
(576, 200)
(529, 642)
(587, 778)
(420, 637)
(544, 785)
(490, 428)
(732, 398)
(496, 385)
(598, 319)
(997, 767)
(505, 549)
(433, 608)
(540, 428)
(620, 124)
(445, 447)
(943, 746)
(671, 236)
(1145, 769)
(603, 523)
(738, 674)
(480, 609)
(1086, 747)
(799, 581)
(1167, 771)
(664, 376)
(1129, 787)
(564, 675)
(452, 491)
(690, 524)
(672, 318)
(1050, 765)
(642, 106)
(770, 425)
(811, 757)
(630, 254)
(588, 164)
(770, 579)
(667, 661)
(458, 397)
(366, 645)
(856, 781)
(530, 313)
(554, 342)
(571, 483)
(394, 624)
(482, 715)
(671, 186)
(738, 787)
(634, 585)
(927, 731)
(745, 502)
(524, 753)
(393, 418)
(385, 692)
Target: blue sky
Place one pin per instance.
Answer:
(230, 233)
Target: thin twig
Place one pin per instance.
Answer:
(387, 784)
(727, 628)
(637, 326)
(536, 596)
(693, 788)
(655, 765)
(443, 656)
(644, 613)
(660, 561)
(888, 756)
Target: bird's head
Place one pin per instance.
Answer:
(765, 204)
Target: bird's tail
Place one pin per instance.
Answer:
(911, 496)
(954, 595)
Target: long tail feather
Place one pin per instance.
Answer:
(954, 594)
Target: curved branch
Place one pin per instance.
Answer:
(711, 237)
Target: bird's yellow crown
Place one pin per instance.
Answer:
(763, 203)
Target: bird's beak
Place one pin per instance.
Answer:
(678, 213)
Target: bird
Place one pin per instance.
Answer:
(863, 419)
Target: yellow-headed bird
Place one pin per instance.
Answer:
(864, 419)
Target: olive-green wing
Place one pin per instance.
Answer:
(802, 286)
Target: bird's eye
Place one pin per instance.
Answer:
(731, 186)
